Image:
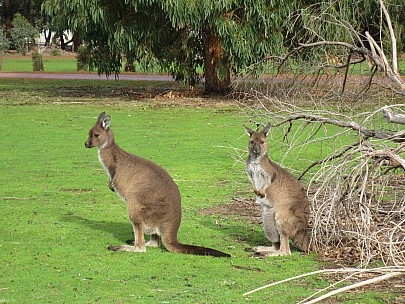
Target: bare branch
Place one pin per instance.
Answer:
(352, 286)
(394, 118)
(350, 125)
(386, 270)
(393, 40)
(353, 48)
(329, 158)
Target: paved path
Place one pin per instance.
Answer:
(91, 76)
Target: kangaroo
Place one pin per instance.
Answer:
(152, 197)
(283, 201)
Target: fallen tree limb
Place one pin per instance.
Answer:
(391, 117)
(391, 271)
(360, 284)
(399, 137)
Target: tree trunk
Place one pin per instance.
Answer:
(129, 64)
(216, 69)
(7, 17)
(37, 63)
(48, 36)
(76, 42)
(62, 42)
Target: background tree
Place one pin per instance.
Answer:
(29, 9)
(219, 36)
(22, 33)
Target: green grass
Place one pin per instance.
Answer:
(62, 64)
(58, 215)
(57, 64)
(51, 64)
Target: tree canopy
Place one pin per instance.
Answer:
(220, 37)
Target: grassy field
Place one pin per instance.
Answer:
(67, 64)
(51, 64)
(56, 64)
(58, 215)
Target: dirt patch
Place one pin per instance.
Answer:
(245, 209)
(76, 190)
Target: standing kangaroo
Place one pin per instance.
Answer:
(284, 203)
(152, 197)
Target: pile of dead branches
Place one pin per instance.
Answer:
(356, 176)
(359, 203)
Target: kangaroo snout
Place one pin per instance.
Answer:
(88, 145)
(256, 149)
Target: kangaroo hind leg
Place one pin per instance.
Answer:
(154, 241)
(270, 231)
(139, 242)
(282, 250)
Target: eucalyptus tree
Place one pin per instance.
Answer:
(346, 21)
(221, 37)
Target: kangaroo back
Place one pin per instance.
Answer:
(152, 197)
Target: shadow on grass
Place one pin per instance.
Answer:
(120, 231)
(236, 230)
(230, 229)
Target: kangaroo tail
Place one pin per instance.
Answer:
(301, 240)
(197, 250)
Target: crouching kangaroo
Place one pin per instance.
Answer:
(152, 197)
(284, 203)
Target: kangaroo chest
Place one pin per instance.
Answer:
(260, 178)
(103, 163)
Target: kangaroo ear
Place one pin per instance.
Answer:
(101, 117)
(105, 123)
(266, 129)
(249, 131)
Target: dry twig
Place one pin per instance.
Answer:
(382, 273)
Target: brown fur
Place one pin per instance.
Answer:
(152, 197)
(284, 203)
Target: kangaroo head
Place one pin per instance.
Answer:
(100, 133)
(258, 145)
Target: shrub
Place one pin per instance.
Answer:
(4, 42)
(4, 45)
(83, 58)
(55, 52)
(22, 34)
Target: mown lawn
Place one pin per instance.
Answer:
(58, 215)
(67, 64)
(51, 64)
(58, 64)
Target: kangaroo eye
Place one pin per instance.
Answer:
(262, 142)
(95, 135)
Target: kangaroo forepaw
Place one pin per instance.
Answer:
(259, 193)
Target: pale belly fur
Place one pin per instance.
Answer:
(258, 176)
